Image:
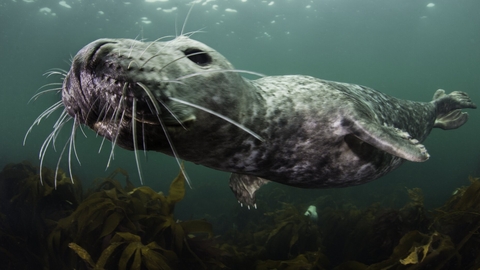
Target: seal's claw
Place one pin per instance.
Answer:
(244, 188)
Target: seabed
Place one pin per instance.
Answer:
(122, 227)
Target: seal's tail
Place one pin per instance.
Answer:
(449, 109)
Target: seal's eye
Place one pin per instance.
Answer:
(197, 56)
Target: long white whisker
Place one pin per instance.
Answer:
(83, 132)
(64, 118)
(42, 152)
(121, 106)
(91, 107)
(161, 102)
(44, 114)
(58, 163)
(170, 111)
(158, 112)
(132, 46)
(101, 144)
(143, 139)
(258, 137)
(114, 142)
(220, 71)
(35, 97)
(114, 116)
(72, 146)
(62, 73)
(134, 135)
(190, 34)
(103, 112)
(153, 42)
(186, 19)
(174, 151)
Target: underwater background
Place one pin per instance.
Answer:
(407, 49)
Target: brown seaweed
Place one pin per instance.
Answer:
(122, 227)
(125, 228)
(114, 227)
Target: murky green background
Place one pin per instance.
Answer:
(407, 49)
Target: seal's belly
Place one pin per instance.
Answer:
(346, 163)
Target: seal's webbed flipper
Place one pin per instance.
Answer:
(448, 107)
(244, 186)
(389, 139)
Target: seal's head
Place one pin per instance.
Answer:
(125, 89)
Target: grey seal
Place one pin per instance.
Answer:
(184, 99)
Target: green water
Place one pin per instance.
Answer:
(407, 49)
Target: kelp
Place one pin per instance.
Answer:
(29, 211)
(420, 251)
(125, 228)
(115, 226)
(373, 238)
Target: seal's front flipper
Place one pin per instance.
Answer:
(389, 139)
(448, 107)
(244, 186)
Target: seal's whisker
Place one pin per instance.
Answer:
(41, 154)
(91, 107)
(173, 81)
(174, 151)
(64, 118)
(220, 71)
(153, 42)
(110, 123)
(72, 135)
(101, 144)
(186, 19)
(258, 137)
(103, 114)
(58, 162)
(51, 73)
(143, 139)
(190, 34)
(114, 141)
(34, 97)
(72, 146)
(103, 119)
(165, 131)
(134, 62)
(134, 135)
(132, 46)
(121, 106)
(51, 139)
(51, 84)
(56, 71)
(44, 114)
(171, 113)
(144, 87)
(83, 132)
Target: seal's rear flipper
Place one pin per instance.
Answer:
(448, 107)
(389, 139)
(244, 186)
